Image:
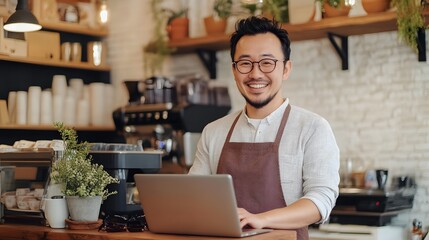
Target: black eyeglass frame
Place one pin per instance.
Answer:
(259, 65)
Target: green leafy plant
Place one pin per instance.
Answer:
(278, 8)
(75, 172)
(410, 20)
(333, 3)
(222, 8)
(171, 15)
(155, 52)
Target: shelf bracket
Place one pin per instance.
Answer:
(343, 50)
(208, 57)
(421, 44)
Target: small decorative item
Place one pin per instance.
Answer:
(82, 182)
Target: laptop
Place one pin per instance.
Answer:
(191, 205)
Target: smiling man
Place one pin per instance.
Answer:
(284, 160)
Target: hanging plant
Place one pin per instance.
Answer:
(410, 20)
(155, 52)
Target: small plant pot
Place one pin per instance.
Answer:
(214, 26)
(84, 209)
(375, 6)
(178, 29)
(330, 11)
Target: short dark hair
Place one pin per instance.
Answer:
(254, 25)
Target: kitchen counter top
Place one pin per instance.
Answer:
(20, 231)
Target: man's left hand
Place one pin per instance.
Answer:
(250, 219)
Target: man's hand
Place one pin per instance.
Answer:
(247, 218)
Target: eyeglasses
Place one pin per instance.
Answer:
(266, 65)
(118, 223)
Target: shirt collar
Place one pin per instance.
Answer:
(274, 115)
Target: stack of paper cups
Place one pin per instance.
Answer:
(108, 109)
(59, 93)
(21, 107)
(86, 93)
(33, 105)
(11, 106)
(46, 107)
(83, 114)
(59, 85)
(57, 107)
(97, 103)
(77, 85)
(69, 111)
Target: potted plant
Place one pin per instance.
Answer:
(155, 52)
(410, 20)
(335, 8)
(216, 24)
(177, 24)
(278, 9)
(375, 6)
(81, 181)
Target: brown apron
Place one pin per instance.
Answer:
(255, 170)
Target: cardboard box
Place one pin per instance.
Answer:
(10, 46)
(4, 114)
(43, 44)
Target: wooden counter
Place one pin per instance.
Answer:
(17, 231)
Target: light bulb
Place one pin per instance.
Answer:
(103, 14)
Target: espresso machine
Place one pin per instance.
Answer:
(374, 206)
(123, 161)
(169, 115)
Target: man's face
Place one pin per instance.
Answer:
(259, 88)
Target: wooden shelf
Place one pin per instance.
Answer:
(55, 63)
(216, 42)
(332, 28)
(52, 128)
(74, 28)
(346, 26)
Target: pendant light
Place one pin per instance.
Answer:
(22, 20)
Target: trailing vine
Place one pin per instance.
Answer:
(410, 20)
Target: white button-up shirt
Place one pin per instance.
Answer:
(308, 152)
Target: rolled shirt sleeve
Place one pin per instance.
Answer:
(321, 167)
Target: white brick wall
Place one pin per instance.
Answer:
(378, 109)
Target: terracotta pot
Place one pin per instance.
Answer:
(214, 26)
(330, 11)
(178, 29)
(375, 6)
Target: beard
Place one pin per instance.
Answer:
(261, 103)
